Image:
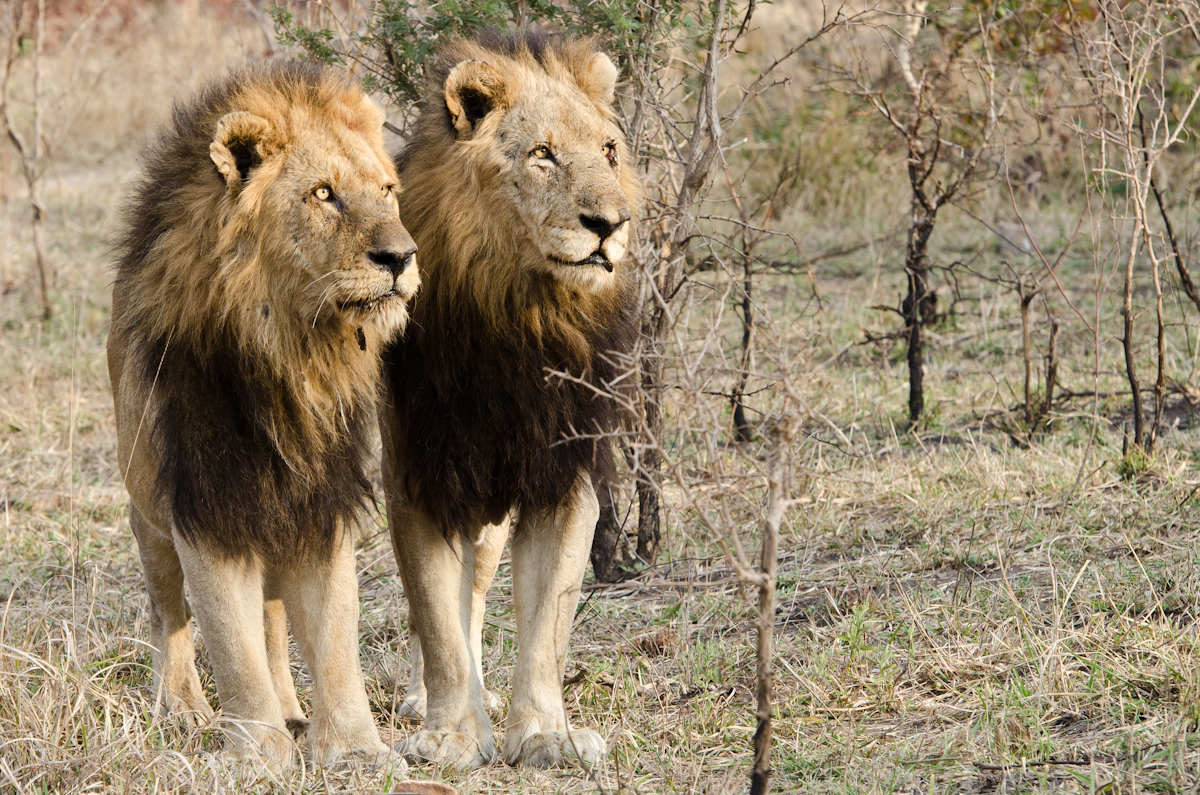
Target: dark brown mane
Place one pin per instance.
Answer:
(226, 480)
(485, 427)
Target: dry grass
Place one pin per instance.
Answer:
(957, 613)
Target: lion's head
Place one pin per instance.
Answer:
(525, 164)
(267, 214)
(311, 199)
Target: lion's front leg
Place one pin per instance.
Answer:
(439, 577)
(489, 546)
(321, 595)
(227, 593)
(550, 553)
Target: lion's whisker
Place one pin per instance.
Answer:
(328, 274)
(321, 302)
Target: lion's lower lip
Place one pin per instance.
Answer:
(367, 304)
(595, 259)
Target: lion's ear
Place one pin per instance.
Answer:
(241, 143)
(474, 89)
(599, 82)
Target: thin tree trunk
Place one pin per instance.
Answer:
(34, 170)
(778, 485)
(1139, 421)
(649, 510)
(1051, 374)
(741, 428)
(39, 243)
(1027, 353)
(1160, 382)
(916, 266)
(703, 146)
(607, 557)
(1185, 275)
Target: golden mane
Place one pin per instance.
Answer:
(197, 262)
(468, 251)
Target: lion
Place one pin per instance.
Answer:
(495, 406)
(262, 266)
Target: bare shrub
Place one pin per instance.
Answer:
(1125, 56)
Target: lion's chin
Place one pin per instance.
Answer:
(385, 313)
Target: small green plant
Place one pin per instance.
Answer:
(1133, 464)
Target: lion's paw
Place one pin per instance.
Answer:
(260, 744)
(492, 702)
(413, 706)
(381, 756)
(556, 749)
(298, 727)
(453, 749)
(190, 709)
(347, 743)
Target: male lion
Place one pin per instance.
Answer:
(521, 200)
(262, 268)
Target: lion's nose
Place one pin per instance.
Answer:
(603, 225)
(393, 260)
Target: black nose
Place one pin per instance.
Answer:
(391, 260)
(601, 225)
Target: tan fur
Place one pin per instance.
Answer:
(508, 232)
(468, 208)
(263, 260)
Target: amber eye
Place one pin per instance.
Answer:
(542, 152)
(323, 193)
(387, 189)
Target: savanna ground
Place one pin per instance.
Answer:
(961, 608)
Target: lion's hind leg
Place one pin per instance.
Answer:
(415, 699)
(489, 547)
(550, 553)
(322, 600)
(275, 629)
(173, 653)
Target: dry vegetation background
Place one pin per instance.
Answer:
(1000, 597)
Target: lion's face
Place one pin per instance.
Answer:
(323, 212)
(563, 159)
(555, 160)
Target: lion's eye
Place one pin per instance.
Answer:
(542, 152)
(323, 193)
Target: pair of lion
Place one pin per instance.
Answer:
(264, 273)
